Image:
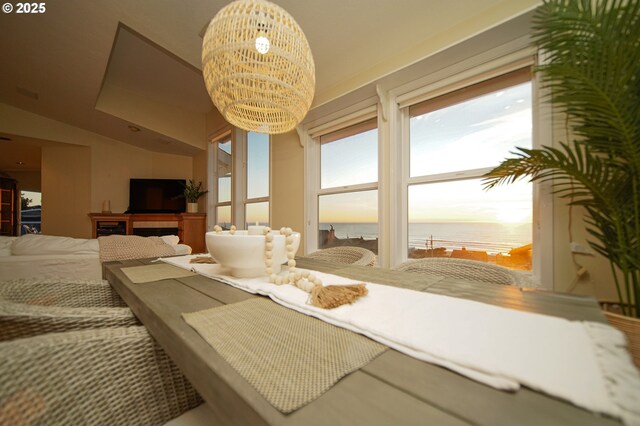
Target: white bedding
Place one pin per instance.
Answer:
(44, 256)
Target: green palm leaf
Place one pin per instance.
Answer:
(593, 76)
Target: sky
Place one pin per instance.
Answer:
(36, 197)
(474, 134)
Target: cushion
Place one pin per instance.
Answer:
(172, 240)
(32, 244)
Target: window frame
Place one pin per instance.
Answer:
(314, 191)
(542, 202)
(245, 168)
(391, 107)
(455, 97)
(239, 200)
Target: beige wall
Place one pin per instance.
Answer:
(215, 124)
(287, 183)
(114, 163)
(200, 175)
(97, 168)
(568, 225)
(27, 181)
(598, 281)
(66, 191)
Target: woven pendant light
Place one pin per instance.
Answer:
(258, 67)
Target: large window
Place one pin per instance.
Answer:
(257, 200)
(454, 140)
(348, 194)
(241, 180)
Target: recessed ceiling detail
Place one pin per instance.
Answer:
(146, 85)
(28, 93)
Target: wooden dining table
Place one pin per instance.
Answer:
(393, 389)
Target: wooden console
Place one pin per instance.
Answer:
(190, 227)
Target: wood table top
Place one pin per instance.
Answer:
(393, 389)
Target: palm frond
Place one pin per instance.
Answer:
(574, 172)
(593, 75)
(593, 72)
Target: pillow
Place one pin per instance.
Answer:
(172, 240)
(31, 244)
(5, 245)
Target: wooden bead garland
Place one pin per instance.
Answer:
(303, 280)
(326, 297)
(218, 229)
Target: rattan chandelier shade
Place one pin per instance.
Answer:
(260, 92)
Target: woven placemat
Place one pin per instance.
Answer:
(289, 358)
(160, 271)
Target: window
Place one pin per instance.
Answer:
(240, 199)
(348, 193)
(257, 202)
(30, 212)
(223, 173)
(453, 140)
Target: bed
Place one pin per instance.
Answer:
(46, 256)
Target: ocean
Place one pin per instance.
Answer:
(490, 237)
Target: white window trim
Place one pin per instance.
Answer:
(245, 170)
(212, 177)
(393, 153)
(239, 198)
(542, 202)
(543, 258)
(312, 166)
(239, 172)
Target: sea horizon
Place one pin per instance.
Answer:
(482, 236)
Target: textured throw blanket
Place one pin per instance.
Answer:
(124, 247)
(582, 362)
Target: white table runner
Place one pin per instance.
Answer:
(585, 363)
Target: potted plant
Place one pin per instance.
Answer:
(192, 192)
(593, 73)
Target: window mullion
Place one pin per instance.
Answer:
(212, 184)
(543, 268)
(312, 184)
(238, 178)
(349, 188)
(400, 216)
(451, 176)
(256, 200)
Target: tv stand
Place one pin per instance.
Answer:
(189, 227)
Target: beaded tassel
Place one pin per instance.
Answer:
(320, 296)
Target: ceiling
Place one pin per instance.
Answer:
(104, 66)
(21, 154)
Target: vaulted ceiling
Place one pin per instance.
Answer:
(107, 65)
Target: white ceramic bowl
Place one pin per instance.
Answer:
(243, 254)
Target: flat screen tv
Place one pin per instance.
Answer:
(156, 196)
